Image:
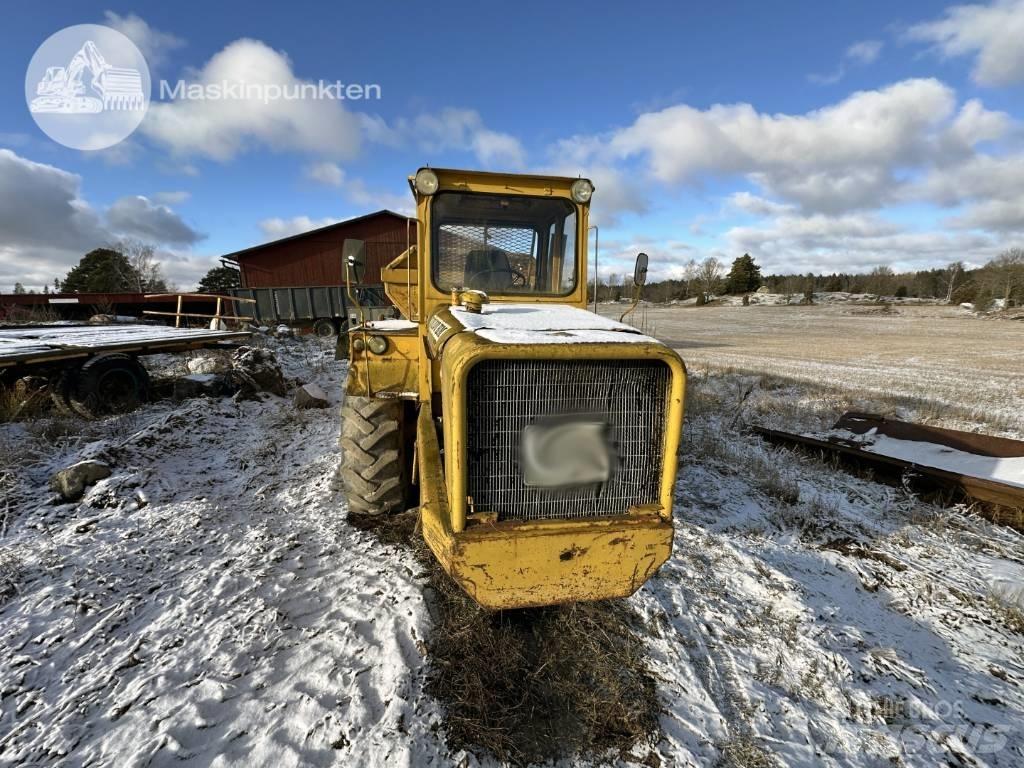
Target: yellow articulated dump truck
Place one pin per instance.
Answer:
(540, 438)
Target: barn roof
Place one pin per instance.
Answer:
(236, 255)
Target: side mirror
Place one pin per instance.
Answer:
(353, 254)
(640, 270)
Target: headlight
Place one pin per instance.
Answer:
(426, 181)
(581, 190)
(377, 344)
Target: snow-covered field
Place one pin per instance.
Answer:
(208, 604)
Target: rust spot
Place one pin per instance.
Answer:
(570, 553)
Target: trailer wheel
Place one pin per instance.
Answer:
(372, 472)
(111, 383)
(324, 328)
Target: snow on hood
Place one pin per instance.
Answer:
(544, 324)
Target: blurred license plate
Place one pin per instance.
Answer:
(559, 455)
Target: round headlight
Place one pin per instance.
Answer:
(426, 181)
(377, 344)
(581, 190)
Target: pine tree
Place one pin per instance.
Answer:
(744, 277)
(101, 270)
(220, 280)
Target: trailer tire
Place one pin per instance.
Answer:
(111, 383)
(372, 472)
(325, 328)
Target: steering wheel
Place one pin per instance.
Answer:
(518, 278)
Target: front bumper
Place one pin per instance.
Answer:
(520, 565)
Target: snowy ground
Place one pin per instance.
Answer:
(208, 604)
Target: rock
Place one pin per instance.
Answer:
(311, 396)
(101, 319)
(71, 482)
(207, 364)
(197, 385)
(256, 370)
(284, 332)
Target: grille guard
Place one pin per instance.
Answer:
(465, 350)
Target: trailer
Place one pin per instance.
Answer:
(94, 370)
(326, 308)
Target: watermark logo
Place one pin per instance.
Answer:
(87, 87)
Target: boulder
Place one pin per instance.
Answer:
(311, 396)
(197, 385)
(256, 370)
(72, 481)
(207, 364)
(284, 332)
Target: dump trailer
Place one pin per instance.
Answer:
(538, 439)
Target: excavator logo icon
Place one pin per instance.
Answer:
(78, 96)
(62, 88)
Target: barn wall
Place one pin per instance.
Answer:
(316, 258)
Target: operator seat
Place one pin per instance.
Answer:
(488, 269)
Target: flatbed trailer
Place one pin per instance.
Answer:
(95, 369)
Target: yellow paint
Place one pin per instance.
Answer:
(392, 374)
(519, 565)
(514, 563)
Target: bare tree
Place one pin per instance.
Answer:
(1005, 273)
(145, 275)
(881, 280)
(949, 277)
(709, 273)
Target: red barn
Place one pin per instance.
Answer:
(314, 258)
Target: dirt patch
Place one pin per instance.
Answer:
(532, 685)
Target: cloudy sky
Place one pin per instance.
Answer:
(815, 136)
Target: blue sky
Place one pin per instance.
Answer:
(816, 136)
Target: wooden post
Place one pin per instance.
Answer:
(177, 317)
(217, 315)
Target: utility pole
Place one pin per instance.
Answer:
(597, 235)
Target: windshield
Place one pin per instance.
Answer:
(504, 243)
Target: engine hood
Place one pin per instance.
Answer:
(531, 324)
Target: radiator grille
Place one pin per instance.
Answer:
(504, 396)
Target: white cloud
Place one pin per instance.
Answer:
(327, 173)
(852, 155)
(855, 243)
(446, 130)
(46, 226)
(138, 216)
(359, 193)
(276, 228)
(154, 44)
(757, 206)
(861, 53)
(176, 197)
(991, 33)
(865, 51)
(221, 129)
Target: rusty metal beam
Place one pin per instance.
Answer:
(981, 489)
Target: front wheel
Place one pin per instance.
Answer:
(372, 472)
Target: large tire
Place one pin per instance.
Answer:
(110, 383)
(372, 472)
(325, 328)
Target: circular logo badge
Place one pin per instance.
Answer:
(87, 87)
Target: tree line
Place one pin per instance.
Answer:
(1001, 278)
(129, 266)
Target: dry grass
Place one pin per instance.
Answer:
(934, 364)
(1009, 613)
(532, 685)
